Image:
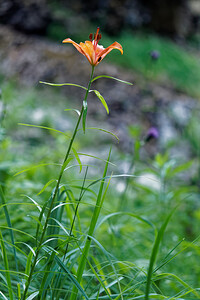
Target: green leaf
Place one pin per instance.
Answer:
(110, 77)
(125, 214)
(183, 167)
(36, 204)
(106, 131)
(8, 220)
(6, 265)
(84, 114)
(92, 156)
(187, 286)
(45, 186)
(37, 166)
(96, 212)
(66, 163)
(73, 109)
(109, 258)
(4, 297)
(101, 99)
(44, 127)
(63, 84)
(99, 279)
(155, 252)
(70, 275)
(77, 158)
(32, 296)
(28, 265)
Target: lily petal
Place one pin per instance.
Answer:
(88, 50)
(115, 45)
(77, 46)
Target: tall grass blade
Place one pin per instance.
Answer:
(8, 220)
(42, 215)
(28, 264)
(32, 296)
(109, 256)
(187, 286)
(3, 296)
(127, 214)
(93, 221)
(155, 252)
(56, 214)
(58, 279)
(6, 265)
(71, 277)
(101, 278)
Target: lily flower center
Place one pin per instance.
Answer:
(96, 39)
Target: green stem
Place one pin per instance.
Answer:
(56, 190)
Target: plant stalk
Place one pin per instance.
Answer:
(56, 190)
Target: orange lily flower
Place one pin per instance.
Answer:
(92, 50)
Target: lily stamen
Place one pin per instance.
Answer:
(91, 36)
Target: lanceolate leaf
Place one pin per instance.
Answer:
(63, 84)
(70, 275)
(73, 109)
(32, 296)
(77, 158)
(45, 186)
(6, 265)
(101, 99)
(8, 220)
(110, 77)
(37, 166)
(106, 131)
(44, 127)
(154, 252)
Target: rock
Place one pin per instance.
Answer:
(181, 110)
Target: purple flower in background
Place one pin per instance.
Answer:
(155, 54)
(152, 133)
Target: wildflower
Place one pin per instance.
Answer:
(92, 50)
(155, 54)
(152, 133)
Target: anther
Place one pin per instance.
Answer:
(90, 36)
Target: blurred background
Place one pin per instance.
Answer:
(161, 41)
